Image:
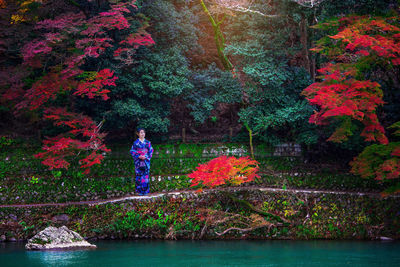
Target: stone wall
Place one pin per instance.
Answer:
(214, 214)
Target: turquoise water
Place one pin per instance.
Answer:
(210, 253)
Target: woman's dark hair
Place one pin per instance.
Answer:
(139, 129)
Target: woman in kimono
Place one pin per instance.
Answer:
(142, 151)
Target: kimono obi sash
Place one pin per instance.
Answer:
(142, 151)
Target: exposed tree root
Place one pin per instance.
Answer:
(256, 222)
(247, 204)
(215, 219)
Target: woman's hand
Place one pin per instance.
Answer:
(142, 157)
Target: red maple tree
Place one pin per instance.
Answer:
(56, 61)
(361, 44)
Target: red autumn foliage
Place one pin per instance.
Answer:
(378, 162)
(59, 54)
(225, 170)
(124, 52)
(43, 90)
(94, 86)
(343, 92)
(57, 149)
(340, 94)
(377, 37)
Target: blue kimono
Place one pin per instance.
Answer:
(142, 167)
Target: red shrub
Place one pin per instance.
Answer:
(225, 170)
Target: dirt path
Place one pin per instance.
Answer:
(190, 192)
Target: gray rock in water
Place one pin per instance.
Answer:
(57, 238)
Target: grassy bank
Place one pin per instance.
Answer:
(216, 216)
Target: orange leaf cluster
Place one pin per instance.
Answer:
(225, 170)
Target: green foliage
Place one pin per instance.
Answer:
(56, 174)
(378, 161)
(267, 72)
(145, 90)
(172, 23)
(40, 241)
(6, 141)
(134, 221)
(329, 9)
(34, 180)
(130, 222)
(210, 87)
(144, 94)
(274, 110)
(26, 227)
(278, 113)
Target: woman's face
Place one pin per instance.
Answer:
(141, 134)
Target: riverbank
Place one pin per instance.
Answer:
(240, 213)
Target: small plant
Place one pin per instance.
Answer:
(34, 180)
(41, 241)
(131, 221)
(56, 174)
(26, 227)
(78, 174)
(6, 141)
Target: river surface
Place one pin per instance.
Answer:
(210, 253)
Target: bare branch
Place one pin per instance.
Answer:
(308, 3)
(248, 10)
(243, 6)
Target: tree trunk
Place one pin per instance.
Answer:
(219, 38)
(304, 42)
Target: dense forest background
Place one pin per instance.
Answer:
(184, 79)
